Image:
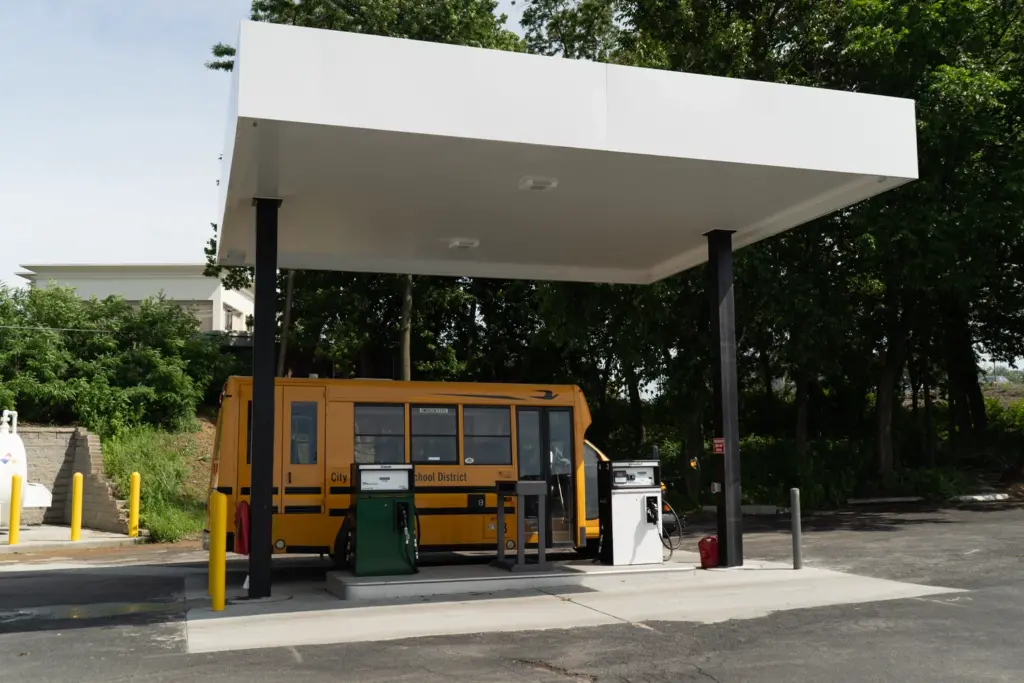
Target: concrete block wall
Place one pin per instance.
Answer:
(51, 456)
(54, 455)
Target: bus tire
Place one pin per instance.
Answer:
(343, 546)
(589, 550)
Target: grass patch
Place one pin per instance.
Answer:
(173, 505)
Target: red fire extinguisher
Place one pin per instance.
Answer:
(242, 528)
(708, 549)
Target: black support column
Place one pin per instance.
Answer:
(727, 425)
(262, 428)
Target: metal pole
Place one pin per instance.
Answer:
(794, 514)
(500, 531)
(542, 528)
(520, 529)
(263, 421)
(727, 426)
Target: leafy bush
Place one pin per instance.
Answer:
(169, 510)
(103, 364)
(1005, 418)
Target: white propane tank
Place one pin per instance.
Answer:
(13, 461)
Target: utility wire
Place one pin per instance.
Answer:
(54, 329)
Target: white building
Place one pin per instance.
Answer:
(217, 308)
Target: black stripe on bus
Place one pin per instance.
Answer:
(426, 490)
(302, 490)
(226, 490)
(431, 512)
(308, 550)
(454, 489)
(451, 548)
(339, 512)
(246, 491)
(302, 509)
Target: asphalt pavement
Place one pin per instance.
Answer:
(102, 624)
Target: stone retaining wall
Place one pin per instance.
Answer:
(54, 455)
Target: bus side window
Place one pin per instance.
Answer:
(304, 432)
(434, 434)
(380, 434)
(488, 435)
(529, 444)
(590, 481)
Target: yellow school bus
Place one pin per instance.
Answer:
(460, 437)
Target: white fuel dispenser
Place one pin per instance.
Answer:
(14, 461)
(629, 511)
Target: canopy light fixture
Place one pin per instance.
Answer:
(463, 243)
(537, 184)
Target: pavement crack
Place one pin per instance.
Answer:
(564, 598)
(560, 670)
(705, 674)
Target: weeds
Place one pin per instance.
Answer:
(170, 510)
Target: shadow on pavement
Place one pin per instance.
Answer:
(864, 518)
(51, 597)
(151, 585)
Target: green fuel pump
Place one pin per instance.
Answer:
(383, 520)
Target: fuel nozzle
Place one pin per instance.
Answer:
(652, 509)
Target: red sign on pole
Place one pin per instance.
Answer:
(718, 445)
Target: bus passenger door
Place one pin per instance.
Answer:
(545, 452)
(302, 450)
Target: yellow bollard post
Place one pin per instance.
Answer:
(218, 549)
(76, 506)
(14, 524)
(133, 505)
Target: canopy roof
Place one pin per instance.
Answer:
(410, 157)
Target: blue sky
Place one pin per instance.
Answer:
(110, 129)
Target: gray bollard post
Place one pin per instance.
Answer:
(794, 514)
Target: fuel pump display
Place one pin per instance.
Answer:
(383, 513)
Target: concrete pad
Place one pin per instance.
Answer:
(745, 593)
(48, 537)
(615, 595)
(393, 622)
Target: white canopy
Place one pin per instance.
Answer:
(409, 157)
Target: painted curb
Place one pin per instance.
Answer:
(896, 499)
(983, 497)
(754, 510)
(29, 548)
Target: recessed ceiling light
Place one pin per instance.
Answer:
(537, 184)
(463, 243)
